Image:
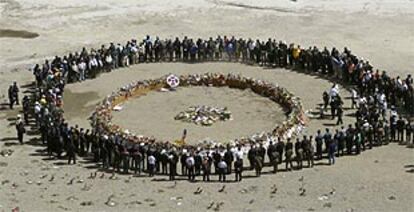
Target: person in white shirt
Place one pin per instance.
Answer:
(222, 165)
(151, 165)
(190, 162)
(82, 70)
(354, 98)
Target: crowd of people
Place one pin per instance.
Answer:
(374, 92)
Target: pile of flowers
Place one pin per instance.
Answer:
(204, 115)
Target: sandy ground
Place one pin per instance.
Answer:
(250, 112)
(381, 31)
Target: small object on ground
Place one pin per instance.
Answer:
(117, 108)
(86, 203)
(392, 197)
(327, 205)
(199, 190)
(6, 152)
(222, 188)
(218, 205)
(71, 181)
(113, 177)
(210, 205)
(303, 192)
(72, 198)
(109, 202)
(323, 197)
(274, 189)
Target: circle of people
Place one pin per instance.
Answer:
(373, 93)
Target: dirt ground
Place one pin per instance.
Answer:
(380, 31)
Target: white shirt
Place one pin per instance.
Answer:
(151, 160)
(239, 154)
(190, 161)
(222, 165)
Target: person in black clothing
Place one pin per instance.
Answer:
(20, 129)
(350, 132)
(183, 159)
(325, 97)
(173, 159)
(270, 151)
(400, 129)
(319, 143)
(26, 109)
(409, 128)
(327, 139)
(339, 113)
(228, 158)
(198, 162)
(251, 155)
(125, 159)
(238, 169)
(136, 159)
(71, 152)
(11, 97)
(341, 142)
(299, 153)
(280, 146)
(333, 105)
(261, 151)
(288, 154)
(15, 89)
(393, 127)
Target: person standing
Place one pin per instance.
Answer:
(11, 97)
(71, 151)
(409, 129)
(288, 154)
(151, 165)
(20, 128)
(26, 109)
(327, 139)
(222, 170)
(238, 169)
(331, 152)
(393, 124)
(228, 157)
(400, 129)
(15, 89)
(173, 160)
(190, 162)
(206, 166)
(319, 143)
(280, 146)
(339, 113)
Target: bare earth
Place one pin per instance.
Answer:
(380, 31)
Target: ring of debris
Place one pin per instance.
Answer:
(101, 119)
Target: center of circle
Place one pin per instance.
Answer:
(204, 115)
(153, 114)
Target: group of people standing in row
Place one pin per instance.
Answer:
(373, 94)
